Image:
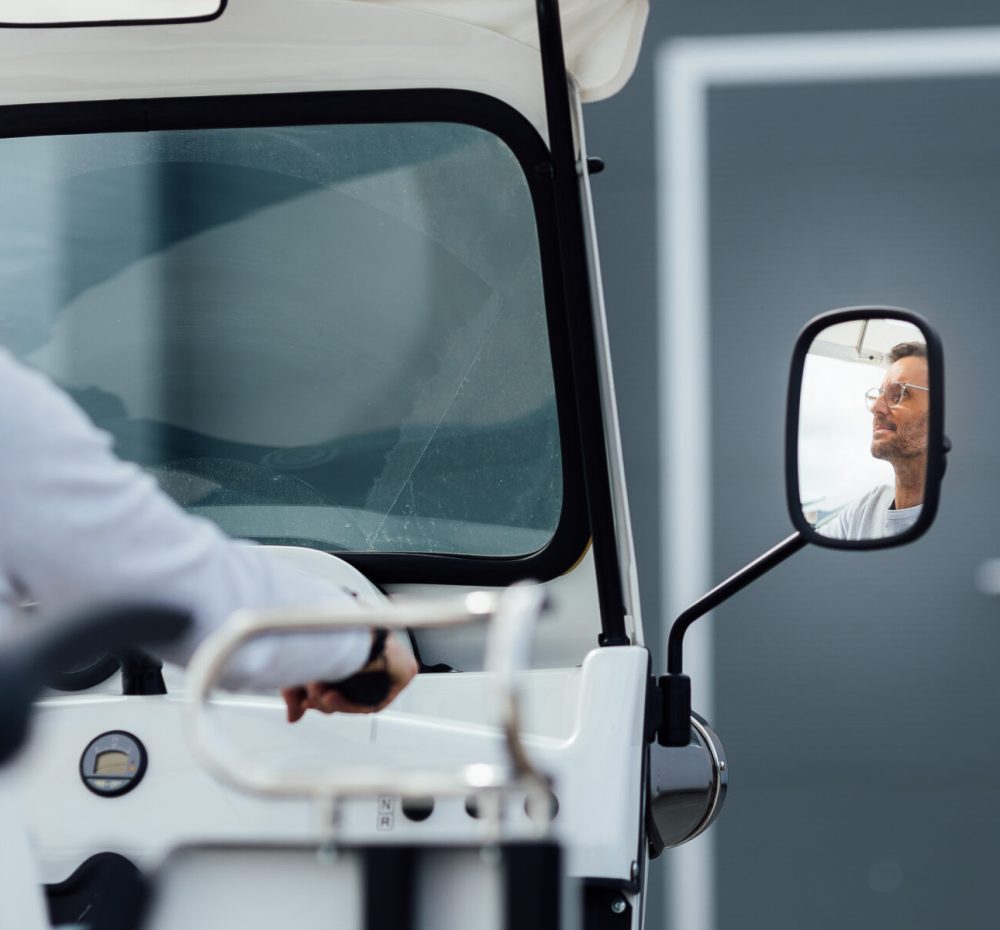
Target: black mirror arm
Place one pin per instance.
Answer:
(675, 686)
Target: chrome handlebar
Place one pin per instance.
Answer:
(512, 615)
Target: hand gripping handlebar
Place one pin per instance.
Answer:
(511, 615)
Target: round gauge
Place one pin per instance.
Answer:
(113, 763)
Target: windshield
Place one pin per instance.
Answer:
(331, 336)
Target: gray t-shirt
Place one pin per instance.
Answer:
(79, 528)
(870, 517)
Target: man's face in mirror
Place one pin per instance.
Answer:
(899, 433)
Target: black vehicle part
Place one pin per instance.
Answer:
(141, 673)
(437, 668)
(26, 667)
(575, 262)
(92, 671)
(532, 885)
(533, 882)
(106, 892)
(605, 906)
(390, 887)
(675, 687)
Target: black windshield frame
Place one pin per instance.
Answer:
(572, 532)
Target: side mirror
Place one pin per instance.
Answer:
(864, 457)
(865, 445)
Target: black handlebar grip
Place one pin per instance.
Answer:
(366, 689)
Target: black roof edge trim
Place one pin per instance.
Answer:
(87, 24)
(572, 534)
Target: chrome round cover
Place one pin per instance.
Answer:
(687, 785)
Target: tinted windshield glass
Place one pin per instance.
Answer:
(323, 335)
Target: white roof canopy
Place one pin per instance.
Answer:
(864, 341)
(601, 37)
(270, 45)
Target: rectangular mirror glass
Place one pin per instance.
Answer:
(863, 429)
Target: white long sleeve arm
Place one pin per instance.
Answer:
(79, 528)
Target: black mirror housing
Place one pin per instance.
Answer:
(836, 352)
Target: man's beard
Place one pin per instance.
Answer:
(907, 442)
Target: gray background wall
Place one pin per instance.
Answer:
(854, 692)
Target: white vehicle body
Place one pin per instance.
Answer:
(584, 713)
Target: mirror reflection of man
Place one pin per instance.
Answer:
(899, 408)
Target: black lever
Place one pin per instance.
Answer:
(141, 673)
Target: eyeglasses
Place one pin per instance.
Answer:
(893, 393)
